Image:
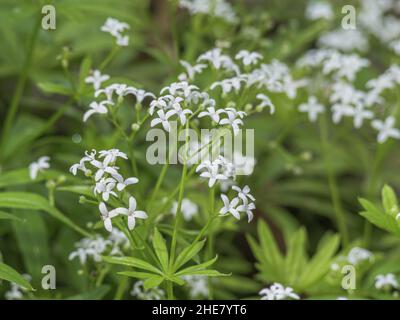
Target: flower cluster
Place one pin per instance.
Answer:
(218, 8)
(109, 182)
(386, 281)
(138, 291)
(218, 169)
(278, 292)
(198, 286)
(116, 29)
(242, 203)
(95, 247)
(189, 209)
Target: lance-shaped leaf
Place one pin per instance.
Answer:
(132, 262)
(9, 274)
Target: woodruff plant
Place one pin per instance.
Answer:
(173, 228)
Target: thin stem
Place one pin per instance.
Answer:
(109, 58)
(20, 85)
(332, 182)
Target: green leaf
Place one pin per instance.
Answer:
(389, 201)
(319, 265)
(136, 274)
(21, 176)
(83, 73)
(132, 262)
(55, 88)
(152, 282)
(296, 255)
(26, 200)
(9, 216)
(9, 274)
(268, 245)
(188, 253)
(379, 218)
(206, 272)
(160, 247)
(197, 267)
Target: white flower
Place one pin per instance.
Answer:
(230, 206)
(319, 10)
(96, 108)
(359, 114)
(247, 208)
(244, 165)
(38, 166)
(107, 216)
(339, 110)
(357, 255)
(212, 113)
(110, 156)
(219, 60)
(189, 209)
(120, 89)
(139, 292)
(105, 187)
(131, 213)
(102, 168)
(163, 119)
(122, 184)
(192, 70)
(344, 40)
(16, 292)
(236, 113)
(115, 28)
(142, 94)
(386, 281)
(212, 172)
(80, 253)
(181, 113)
(159, 103)
(247, 57)
(278, 292)
(97, 79)
(386, 129)
(313, 108)
(198, 285)
(266, 102)
(244, 193)
(232, 121)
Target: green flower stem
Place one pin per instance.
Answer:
(210, 244)
(20, 85)
(332, 182)
(109, 58)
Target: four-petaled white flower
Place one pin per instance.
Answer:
(359, 114)
(386, 129)
(212, 113)
(247, 208)
(110, 156)
(192, 70)
(181, 113)
(122, 184)
(115, 28)
(266, 102)
(131, 213)
(107, 216)
(97, 79)
(386, 281)
(211, 172)
(96, 108)
(233, 122)
(313, 108)
(105, 187)
(163, 119)
(230, 206)
(340, 110)
(189, 209)
(159, 103)
(102, 168)
(38, 166)
(244, 193)
(278, 292)
(142, 94)
(247, 57)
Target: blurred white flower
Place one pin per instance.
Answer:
(211, 171)
(212, 113)
(386, 281)
(313, 108)
(386, 129)
(278, 292)
(248, 58)
(97, 79)
(142, 94)
(319, 10)
(96, 107)
(38, 166)
(192, 70)
(233, 122)
(115, 28)
(198, 286)
(357, 255)
(139, 292)
(359, 114)
(189, 209)
(266, 102)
